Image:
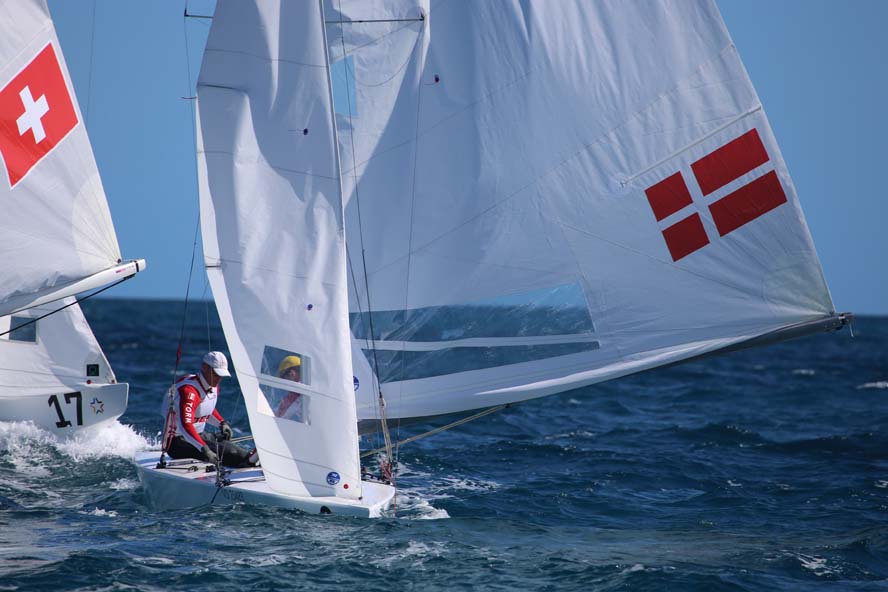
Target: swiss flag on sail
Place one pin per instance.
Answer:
(36, 113)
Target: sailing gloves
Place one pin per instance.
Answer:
(226, 430)
(209, 455)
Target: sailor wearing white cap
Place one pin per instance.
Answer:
(194, 406)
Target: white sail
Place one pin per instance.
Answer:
(56, 236)
(49, 355)
(273, 236)
(56, 230)
(552, 194)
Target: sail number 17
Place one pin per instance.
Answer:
(62, 422)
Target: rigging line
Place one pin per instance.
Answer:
(454, 424)
(207, 309)
(197, 226)
(404, 20)
(185, 309)
(377, 40)
(195, 16)
(351, 269)
(412, 208)
(378, 387)
(170, 410)
(76, 301)
(92, 48)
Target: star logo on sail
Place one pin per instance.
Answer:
(36, 114)
(97, 405)
(671, 197)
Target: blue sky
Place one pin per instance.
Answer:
(818, 66)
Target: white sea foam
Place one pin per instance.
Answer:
(101, 512)
(417, 552)
(32, 449)
(124, 484)
(814, 563)
(267, 560)
(414, 505)
(462, 484)
(734, 483)
(804, 372)
(108, 439)
(574, 434)
(882, 484)
(881, 384)
(29, 447)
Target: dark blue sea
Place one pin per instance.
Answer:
(760, 470)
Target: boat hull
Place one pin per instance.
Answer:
(186, 483)
(67, 411)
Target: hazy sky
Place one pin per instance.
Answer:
(819, 67)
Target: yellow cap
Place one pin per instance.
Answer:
(287, 363)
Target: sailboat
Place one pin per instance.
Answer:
(56, 237)
(537, 197)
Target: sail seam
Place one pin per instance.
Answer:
(696, 142)
(484, 342)
(265, 59)
(236, 155)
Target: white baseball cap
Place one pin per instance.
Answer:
(216, 360)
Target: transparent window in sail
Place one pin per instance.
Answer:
(286, 365)
(286, 403)
(24, 329)
(292, 369)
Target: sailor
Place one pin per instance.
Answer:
(194, 406)
(290, 406)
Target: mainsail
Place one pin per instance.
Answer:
(56, 235)
(274, 239)
(547, 195)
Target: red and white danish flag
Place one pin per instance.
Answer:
(36, 113)
(712, 172)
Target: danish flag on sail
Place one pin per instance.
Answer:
(36, 113)
(712, 172)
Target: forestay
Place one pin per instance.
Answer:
(273, 236)
(56, 229)
(553, 194)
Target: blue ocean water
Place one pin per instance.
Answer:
(759, 470)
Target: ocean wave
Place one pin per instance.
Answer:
(881, 384)
(864, 444)
(722, 434)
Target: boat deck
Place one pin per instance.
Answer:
(188, 483)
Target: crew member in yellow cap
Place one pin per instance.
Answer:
(291, 406)
(290, 368)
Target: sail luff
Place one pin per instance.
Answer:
(351, 408)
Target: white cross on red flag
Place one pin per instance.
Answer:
(36, 113)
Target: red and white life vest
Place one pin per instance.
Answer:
(194, 405)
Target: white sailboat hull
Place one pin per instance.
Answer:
(186, 483)
(66, 411)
